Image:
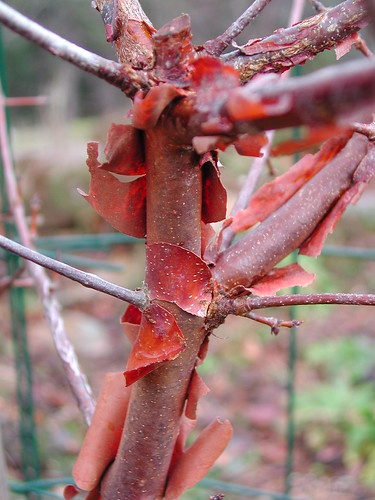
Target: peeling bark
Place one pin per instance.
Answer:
(286, 229)
(288, 47)
(174, 211)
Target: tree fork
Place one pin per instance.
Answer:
(174, 200)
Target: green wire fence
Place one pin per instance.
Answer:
(64, 248)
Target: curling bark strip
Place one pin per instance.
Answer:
(288, 47)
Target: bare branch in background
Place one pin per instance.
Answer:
(137, 298)
(291, 46)
(26, 101)
(122, 76)
(4, 491)
(296, 12)
(217, 46)
(246, 192)
(76, 378)
(8, 281)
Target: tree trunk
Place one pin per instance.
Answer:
(174, 199)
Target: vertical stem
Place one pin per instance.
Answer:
(291, 402)
(4, 492)
(174, 192)
(174, 196)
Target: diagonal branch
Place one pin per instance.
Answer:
(123, 76)
(295, 45)
(137, 298)
(217, 46)
(254, 255)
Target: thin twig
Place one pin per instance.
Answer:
(51, 307)
(88, 280)
(217, 46)
(318, 6)
(274, 323)
(362, 46)
(120, 75)
(26, 101)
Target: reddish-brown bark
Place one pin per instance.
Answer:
(287, 228)
(295, 45)
(173, 216)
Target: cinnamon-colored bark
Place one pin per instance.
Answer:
(288, 47)
(174, 211)
(286, 229)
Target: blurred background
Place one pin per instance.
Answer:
(247, 369)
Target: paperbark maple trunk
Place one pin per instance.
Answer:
(174, 200)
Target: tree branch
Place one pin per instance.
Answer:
(123, 76)
(137, 298)
(326, 96)
(241, 306)
(254, 255)
(292, 46)
(219, 44)
(128, 27)
(332, 95)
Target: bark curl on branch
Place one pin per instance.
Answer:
(317, 99)
(291, 46)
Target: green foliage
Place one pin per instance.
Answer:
(340, 408)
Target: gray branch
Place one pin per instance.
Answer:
(218, 45)
(120, 75)
(137, 298)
